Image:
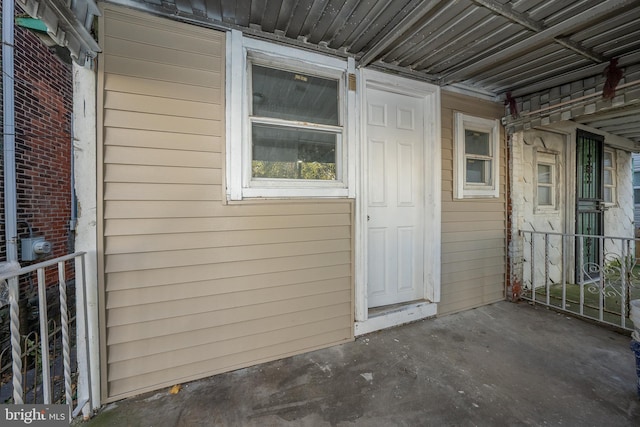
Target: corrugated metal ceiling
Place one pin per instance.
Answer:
(489, 46)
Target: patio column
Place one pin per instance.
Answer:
(84, 130)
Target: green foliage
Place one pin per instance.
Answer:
(613, 269)
(616, 263)
(294, 170)
(32, 348)
(316, 170)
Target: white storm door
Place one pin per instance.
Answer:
(395, 207)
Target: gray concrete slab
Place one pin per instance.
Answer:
(500, 365)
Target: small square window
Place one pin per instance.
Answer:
(478, 171)
(476, 143)
(477, 161)
(545, 196)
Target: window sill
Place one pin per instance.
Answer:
(550, 210)
(477, 195)
(289, 193)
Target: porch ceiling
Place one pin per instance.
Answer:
(492, 47)
(530, 49)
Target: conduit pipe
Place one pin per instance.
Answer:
(8, 48)
(10, 210)
(74, 205)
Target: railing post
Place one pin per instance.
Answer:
(64, 324)
(82, 343)
(16, 356)
(563, 272)
(546, 268)
(580, 278)
(533, 269)
(44, 337)
(623, 282)
(601, 278)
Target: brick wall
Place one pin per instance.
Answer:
(43, 104)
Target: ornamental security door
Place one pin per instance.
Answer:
(589, 205)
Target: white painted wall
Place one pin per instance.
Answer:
(619, 219)
(528, 147)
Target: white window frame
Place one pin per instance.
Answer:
(613, 186)
(241, 53)
(462, 189)
(548, 159)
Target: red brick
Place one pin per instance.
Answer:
(43, 106)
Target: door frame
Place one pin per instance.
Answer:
(430, 96)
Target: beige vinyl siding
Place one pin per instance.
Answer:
(473, 230)
(192, 286)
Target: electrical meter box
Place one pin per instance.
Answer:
(33, 248)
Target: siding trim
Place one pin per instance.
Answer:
(100, 133)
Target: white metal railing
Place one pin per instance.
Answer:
(81, 379)
(591, 276)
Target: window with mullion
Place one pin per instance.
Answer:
(546, 184)
(546, 181)
(296, 130)
(476, 156)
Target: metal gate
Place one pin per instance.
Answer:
(589, 204)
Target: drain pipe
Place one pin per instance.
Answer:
(10, 209)
(10, 220)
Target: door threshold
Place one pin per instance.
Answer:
(395, 315)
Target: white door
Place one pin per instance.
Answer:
(395, 211)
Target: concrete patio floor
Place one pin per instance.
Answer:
(501, 365)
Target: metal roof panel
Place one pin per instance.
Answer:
(494, 46)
